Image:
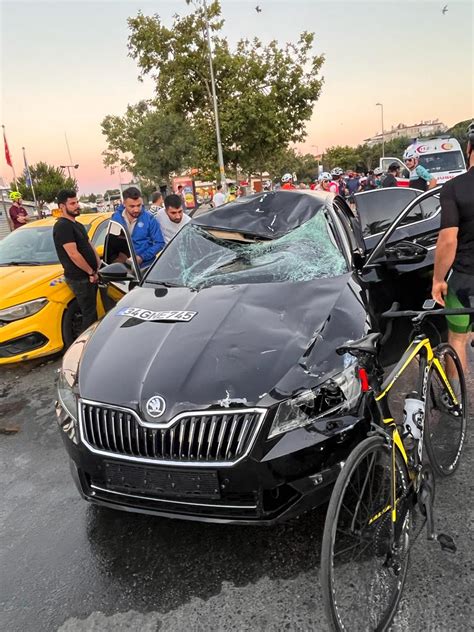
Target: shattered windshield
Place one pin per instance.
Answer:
(196, 258)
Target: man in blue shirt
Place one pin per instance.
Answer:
(420, 178)
(144, 229)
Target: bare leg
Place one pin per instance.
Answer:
(459, 342)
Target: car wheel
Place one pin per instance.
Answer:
(72, 323)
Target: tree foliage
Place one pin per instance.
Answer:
(458, 132)
(47, 181)
(266, 94)
(363, 157)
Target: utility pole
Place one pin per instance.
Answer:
(383, 133)
(220, 155)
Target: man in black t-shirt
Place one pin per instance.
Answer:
(455, 248)
(390, 180)
(77, 256)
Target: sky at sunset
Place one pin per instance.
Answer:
(64, 67)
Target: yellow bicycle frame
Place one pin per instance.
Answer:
(413, 350)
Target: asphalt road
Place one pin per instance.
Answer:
(67, 566)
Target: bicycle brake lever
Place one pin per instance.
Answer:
(447, 543)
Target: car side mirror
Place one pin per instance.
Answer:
(405, 252)
(116, 272)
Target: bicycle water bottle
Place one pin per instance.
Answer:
(413, 415)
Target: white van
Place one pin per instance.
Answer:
(443, 157)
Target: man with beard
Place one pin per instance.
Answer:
(77, 256)
(171, 218)
(143, 228)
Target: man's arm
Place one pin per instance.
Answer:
(156, 238)
(432, 183)
(444, 257)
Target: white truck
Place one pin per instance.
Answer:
(442, 156)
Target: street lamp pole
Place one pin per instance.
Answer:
(220, 155)
(68, 167)
(383, 133)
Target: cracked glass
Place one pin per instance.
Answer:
(196, 258)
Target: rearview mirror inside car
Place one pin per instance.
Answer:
(405, 252)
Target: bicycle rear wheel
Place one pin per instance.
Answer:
(445, 419)
(364, 557)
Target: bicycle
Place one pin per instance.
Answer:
(387, 484)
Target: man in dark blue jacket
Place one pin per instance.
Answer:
(144, 229)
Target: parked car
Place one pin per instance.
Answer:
(38, 312)
(213, 390)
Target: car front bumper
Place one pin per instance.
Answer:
(276, 481)
(32, 337)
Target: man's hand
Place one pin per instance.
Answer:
(93, 278)
(139, 260)
(439, 291)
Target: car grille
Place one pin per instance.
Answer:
(211, 437)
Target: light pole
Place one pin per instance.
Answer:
(220, 155)
(383, 133)
(69, 167)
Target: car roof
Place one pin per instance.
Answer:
(268, 215)
(86, 218)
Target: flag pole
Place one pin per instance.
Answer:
(8, 157)
(28, 175)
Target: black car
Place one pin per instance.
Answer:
(213, 390)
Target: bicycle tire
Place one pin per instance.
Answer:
(344, 603)
(445, 423)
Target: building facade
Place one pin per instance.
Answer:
(418, 130)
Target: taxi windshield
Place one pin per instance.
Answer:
(28, 246)
(196, 258)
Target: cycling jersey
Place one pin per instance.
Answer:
(288, 185)
(457, 211)
(419, 178)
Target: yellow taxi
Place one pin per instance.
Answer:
(38, 312)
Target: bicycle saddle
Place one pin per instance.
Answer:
(363, 345)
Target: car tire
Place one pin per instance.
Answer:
(72, 322)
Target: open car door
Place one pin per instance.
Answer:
(121, 271)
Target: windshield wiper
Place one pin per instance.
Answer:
(164, 283)
(22, 263)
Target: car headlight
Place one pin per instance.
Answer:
(67, 395)
(338, 393)
(16, 312)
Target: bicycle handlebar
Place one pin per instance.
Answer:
(419, 316)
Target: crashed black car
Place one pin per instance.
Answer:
(212, 390)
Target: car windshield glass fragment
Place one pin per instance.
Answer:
(196, 258)
(29, 246)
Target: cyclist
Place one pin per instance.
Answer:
(455, 249)
(338, 177)
(326, 183)
(420, 178)
(17, 212)
(378, 173)
(287, 182)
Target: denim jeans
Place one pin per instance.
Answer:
(86, 294)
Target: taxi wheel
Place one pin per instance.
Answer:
(72, 323)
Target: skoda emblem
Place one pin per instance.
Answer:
(155, 406)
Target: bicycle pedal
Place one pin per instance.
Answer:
(446, 543)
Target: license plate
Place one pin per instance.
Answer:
(162, 482)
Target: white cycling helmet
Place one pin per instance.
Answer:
(336, 172)
(378, 171)
(325, 175)
(410, 152)
(287, 177)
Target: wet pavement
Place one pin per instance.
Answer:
(68, 566)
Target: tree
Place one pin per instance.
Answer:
(47, 181)
(266, 93)
(92, 198)
(458, 132)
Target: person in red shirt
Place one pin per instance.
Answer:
(17, 213)
(287, 181)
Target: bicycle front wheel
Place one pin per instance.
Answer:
(445, 417)
(364, 557)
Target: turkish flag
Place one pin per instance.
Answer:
(7, 151)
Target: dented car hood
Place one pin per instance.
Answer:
(268, 215)
(246, 344)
